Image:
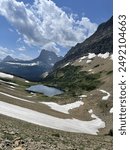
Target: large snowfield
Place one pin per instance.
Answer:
(70, 125)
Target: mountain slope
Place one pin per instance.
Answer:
(97, 47)
(100, 42)
(87, 70)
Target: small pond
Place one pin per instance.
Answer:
(48, 91)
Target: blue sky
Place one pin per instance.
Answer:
(27, 26)
(96, 10)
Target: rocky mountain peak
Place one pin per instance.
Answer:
(8, 58)
(48, 57)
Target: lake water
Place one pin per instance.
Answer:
(48, 91)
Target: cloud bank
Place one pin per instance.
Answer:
(5, 51)
(45, 25)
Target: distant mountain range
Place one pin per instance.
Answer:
(30, 69)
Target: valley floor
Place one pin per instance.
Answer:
(19, 135)
(86, 118)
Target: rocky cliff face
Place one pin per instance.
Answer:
(47, 57)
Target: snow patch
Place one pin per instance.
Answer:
(94, 116)
(63, 108)
(107, 96)
(91, 55)
(24, 64)
(90, 111)
(69, 125)
(90, 70)
(10, 83)
(66, 64)
(104, 56)
(83, 96)
(12, 87)
(5, 75)
(14, 84)
(82, 58)
(21, 99)
(34, 94)
(88, 61)
(27, 81)
(45, 74)
(111, 110)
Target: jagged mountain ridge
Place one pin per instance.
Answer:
(100, 42)
(47, 57)
(30, 69)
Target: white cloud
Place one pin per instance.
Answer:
(19, 40)
(13, 53)
(5, 51)
(21, 48)
(11, 30)
(52, 47)
(46, 25)
(24, 57)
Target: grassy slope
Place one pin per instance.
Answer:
(73, 80)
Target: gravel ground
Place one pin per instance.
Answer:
(19, 135)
